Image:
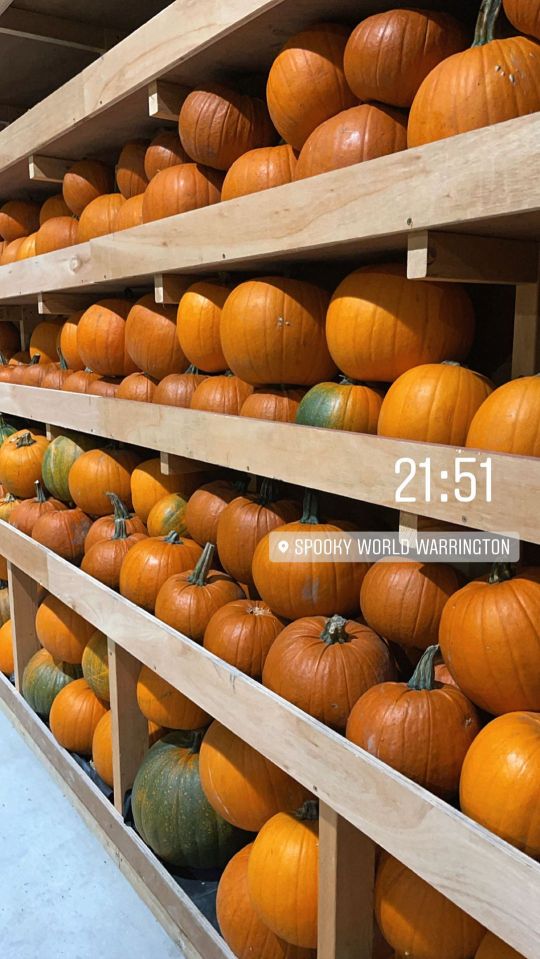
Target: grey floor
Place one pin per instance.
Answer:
(61, 896)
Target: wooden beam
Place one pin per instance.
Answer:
(165, 100)
(462, 258)
(47, 169)
(63, 304)
(59, 32)
(129, 727)
(526, 348)
(170, 287)
(171, 464)
(24, 601)
(408, 527)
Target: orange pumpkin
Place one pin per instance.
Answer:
(99, 472)
(166, 706)
(102, 746)
(241, 633)
(79, 381)
(74, 715)
(64, 532)
(105, 527)
(164, 151)
(130, 214)
(149, 485)
(507, 421)
(101, 338)
(524, 15)
(137, 386)
(104, 559)
(492, 947)
(61, 631)
(27, 247)
(10, 251)
(7, 662)
(198, 325)
(53, 207)
(221, 394)
(85, 181)
(151, 339)
(98, 218)
(130, 176)
(259, 169)
(43, 340)
(167, 516)
(56, 375)
(151, 562)
(55, 234)
(341, 406)
(177, 389)
(278, 404)
(205, 507)
(18, 218)
(179, 189)
(104, 386)
(25, 514)
(34, 373)
(67, 342)
(21, 456)
(7, 505)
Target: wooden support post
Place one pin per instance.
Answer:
(129, 727)
(170, 287)
(51, 432)
(526, 351)
(464, 258)
(165, 99)
(171, 464)
(62, 304)
(346, 881)
(47, 169)
(408, 527)
(24, 596)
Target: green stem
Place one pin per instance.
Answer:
(501, 572)
(193, 370)
(25, 440)
(334, 631)
(3, 360)
(119, 509)
(3, 584)
(35, 359)
(309, 513)
(424, 674)
(268, 492)
(309, 812)
(199, 575)
(61, 357)
(485, 24)
(197, 738)
(40, 492)
(172, 537)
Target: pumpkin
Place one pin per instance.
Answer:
(10, 339)
(188, 600)
(167, 516)
(20, 358)
(245, 521)
(6, 430)
(272, 331)
(130, 176)
(18, 218)
(507, 421)
(104, 386)
(433, 403)
(104, 559)
(138, 387)
(186, 833)
(7, 505)
(217, 125)
(25, 514)
(5, 608)
(84, 182)
(53, 207)
(490, 639)
(380, 324)
(97, 473)
(10, 251)
(43, 678)
(102, 758)
(130, 214)
(161, 703)
(306, 84)
(165, 150)
(98, 218)
(310, 587)
(417, 920)
(241, 784)
(95, 665)
(177, 389)
(389, 54)
(7, 663)
(59, 457)
(241, 633)
(360, 133)
(404, 601)
(283, 875)
(27, 247)
(56, 375)
(492, 947)
(151, 339)
(259, 169)
(106, 526)
(63, 532)
(525, 17)
(278, 404)
(221, 394)
(149, 485)
(198, 325)
(62, 631)
(34, 373)
(149, 563)
(242, 929)
(494, 80)
(56, 234)
(80, 381)
(21, 457)
(179, 189)
(341, 406)
(74, 715)
(43, 340)
(101, 338)
(205, 506)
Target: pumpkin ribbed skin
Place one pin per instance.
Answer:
(490, 641)
(283, 877)
(20, 463)
(241, 633)
(179, 189)
(74, 716)
(79, 382)
(104, 386)
(43, 678)
(492, 947)
(524, 15)
(7, 505)
(221, 394)
(26, 514)
(98, 218)
(508, 420)
(151, 338)
(105, 527)
(306, 84)
(341, 406)
(161, 703)
(389, 54)
(61, 631)
(177, 389)
(277, 404)
(149, 485)
(130, 175)
(27, 247)
(167, 516)
(43, 340)
(95, 665)
(244, 522)
(205, 507)
(54, 206)
(7, 663)
(18, 218)
(101, 338)
(84, 181)
(10, 251)
(241, 784)
(404, 602)
(272, 331)
(56, 375)
(63, 531)
(164, 151)
(380, 324)
(98, 472)
(149, 563)
(504, 762)
(138, 387)
(434, 403)
(104, 560)
(130, 214)
(360, 133)
(102, 746)
(419, 921)
(258, 170)
(199, 323)
(55, 234)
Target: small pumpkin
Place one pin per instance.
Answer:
(150, 562)
(54, 206)
(61, 631)
(151, 339)
(7, 505)
(277, 403)
(177, 389)
(80, 381)
(104, 386)
(259, 169)
(198, 325)
(43, 678)
(60, 455)
(492, 947)
(149, 485)
(7, 662)
(33, 373)
(130, 175)
(56, 375)
(95, 665)
(138, 387)
(507, 420)
(161, 703)
(56, 234)
(99, 472)
(84, 182)
(105, 527)
(25, 514)
(43, 340)
(102, 746)
(165, 150)
(341, 406)
(205, 506)
(63, 532)
(241, 633)
(221, 394)
(21, 457)
(179, 189)
(104, 559)
(101, 338)
(18, 218)
(74, 715)
(167, 516)
(98, 218)
(130, 214)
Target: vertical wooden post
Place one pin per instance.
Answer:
(346, 881)
(408, 528)
(526, 351)
(129, 727)
(24, 594)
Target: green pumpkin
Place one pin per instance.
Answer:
(5, 429)
(341, 406)
(60, 456)
(5, 611)
(95, 665)
(43, 678)
(171, 812)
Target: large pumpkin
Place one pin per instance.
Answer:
(151, 339)
(150, 562)
(101, 338)
(283, 875)
(272, 331)
(130, 214)
(177, 389)
(417, 920)
(360, 133)
(168, 516)
(492, 947)
(56, 234)
(341, 406)
(258, 170)
(64, 532)
(43, 340)
(26, 514)
(490, 640)
(99, 472)
(18, 218)
(494, 80)
(161, 703)
(130, 174)
(179, 189)
(59, 457)
(404, 601)
(507, 420)
(389, 54)
(7, 661)
(380, 324)
(106, 526)
(53, 206)
(277, 403)
(95, 665)
(21, 456)
(84, 181)
(98, 218)
(434, 403)
(241, 633)
(164, 151)
(74, 715)
(221, 394)
(61, 631)
(149, 485)
(205, 506)
(524, 15)
(43, 678)
(199, 325)
(306, 84)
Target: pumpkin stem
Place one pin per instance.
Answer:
(199, 575)
(193, 370)
(61, 357)
(485, 24)
(309, 812)
(501, 572)
(242, 482)
(3, 359)
(25, 440)
(35, 359)
(172, 537)
(344, 381)
(119, 508)
(40, 492)
(334, 631)
(196, 740)
(310, 511)
(268, 492)
(8, 498)
(424, 674)
(3, 584)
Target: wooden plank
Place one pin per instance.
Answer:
(346, 884)
(51, 432)
(526, 348)
(170, 287)
(165, 100)
(408, 527)
(47, 169)
(24, 596)
(498, 885)
(459, 258)
(63, 304)
(182, 920)
(129, 727)
(170, 464)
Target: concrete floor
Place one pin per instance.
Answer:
(62, 897)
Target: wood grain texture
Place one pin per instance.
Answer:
(23, 599)
(129, 727)
(459, 258)
(526, 347)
